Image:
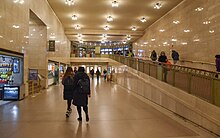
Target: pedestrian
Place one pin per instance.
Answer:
(217, 61)
(80, 99)
(67, 82)
(175, 56)
(75, 70)
(105, 74)
(92, 73)
(163, 59)
(153, 55)
(98, 73)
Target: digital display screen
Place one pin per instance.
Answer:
(11, 93)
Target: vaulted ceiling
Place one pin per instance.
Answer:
(92, 18)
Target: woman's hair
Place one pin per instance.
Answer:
(162, 52)
(69, 72)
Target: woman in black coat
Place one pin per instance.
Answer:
(67, 82)
(81, 99)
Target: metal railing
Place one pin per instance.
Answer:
(198, 82)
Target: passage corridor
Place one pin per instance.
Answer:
(114, 113)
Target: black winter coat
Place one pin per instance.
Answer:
(68, 88)
(79, 99)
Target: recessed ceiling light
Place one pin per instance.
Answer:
(161, 30)
(115, 4)
(11, 41)
(184, 43)
(109, 18)
(129, 38)
(196, 40)
(124, 42)
(133, 28)
(77, 27)
(69, 2)
(1, 36)
(145, 43)
(157, 5)
(143, 19)
(199, 9)
(176, 22)
(153, 39)
(74, 17)
(106, 27)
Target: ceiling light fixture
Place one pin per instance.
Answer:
(80, 41)
(199, 9)
(206, 22)
(133, 28)
(161, 30)
(176, 22)
(128, 37)
(157, 5)
(143, 19)
(69, 2)
(186, 31)
(77, 27)
(16, 26)
(74, 17)
(106, 28)
(211, 31)
(19, 1)
(115, 4)
(109, 18)
(124, 42)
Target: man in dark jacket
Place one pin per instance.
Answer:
(175, 56)
(81, 99)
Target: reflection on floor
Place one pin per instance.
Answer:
(4, 102)
(114, 113)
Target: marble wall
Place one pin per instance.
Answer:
(14, 33)
(192, 28)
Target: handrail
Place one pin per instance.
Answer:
(201, 83)
(144, 59)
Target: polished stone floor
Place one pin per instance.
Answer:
(114, 113)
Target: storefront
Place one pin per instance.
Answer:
(53, 72)
(11, 75)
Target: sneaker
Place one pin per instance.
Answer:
(79, 119)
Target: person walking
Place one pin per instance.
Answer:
(67, 82)
(98, 73)
(92, 73)
(80, 99)
(175, 56)
(153, 55)
(162, 60)
(105, 74)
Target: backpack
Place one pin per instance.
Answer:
(84, 85)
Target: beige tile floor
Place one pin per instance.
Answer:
(114, 113)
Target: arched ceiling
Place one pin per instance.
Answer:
(92, 17)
